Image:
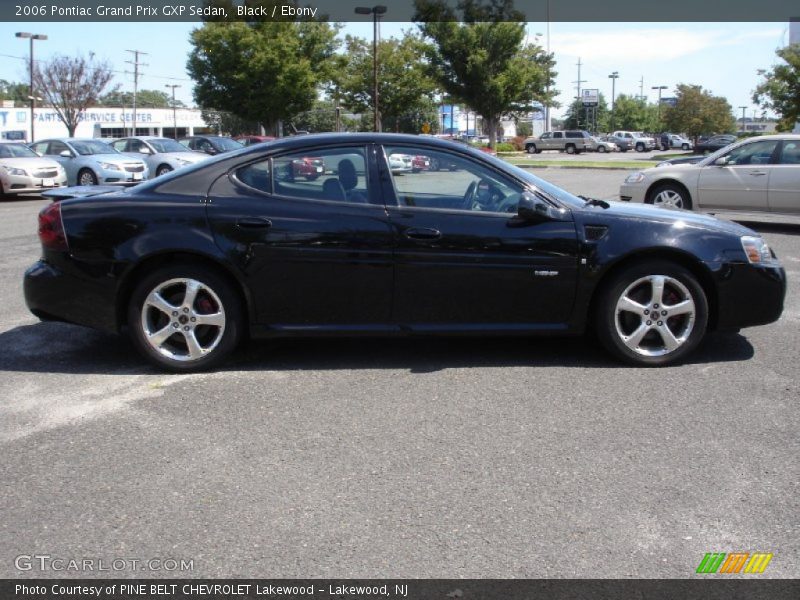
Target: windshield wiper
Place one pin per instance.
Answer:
(595, 202)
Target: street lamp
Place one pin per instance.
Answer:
(376, 12)
(613, 77)
(174, 113)
(32, 97)
(659, 88)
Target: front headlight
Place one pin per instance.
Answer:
(757, 251)
(16, 171)
(109, 166)
(637, 177)
(183, 162)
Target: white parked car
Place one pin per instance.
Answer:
(401, 163)
(22, 171)
(757, 174)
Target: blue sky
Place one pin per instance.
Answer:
(723, 57)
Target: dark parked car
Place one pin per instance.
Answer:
(249, 140)
(486, 249)
(714, 143)
(211, 144)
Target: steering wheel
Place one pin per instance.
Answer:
(469, 196)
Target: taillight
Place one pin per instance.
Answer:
(51, 228)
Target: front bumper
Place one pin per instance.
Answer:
(749, 295)
(632, 192)
(28, 184)
(55, 295)
(111, 177)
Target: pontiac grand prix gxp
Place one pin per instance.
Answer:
(194, 261)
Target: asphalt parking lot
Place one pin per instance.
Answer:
(403, 458)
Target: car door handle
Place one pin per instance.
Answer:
(422, 234)
(253, 223)
(756, 173)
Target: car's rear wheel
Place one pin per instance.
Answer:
(685, 146)
(602, 149)
(669, 195)
(163, 170)
(185, 318)
(652, 314)
(640, 147)
(530, 148)
(570, 149)
(87, 177)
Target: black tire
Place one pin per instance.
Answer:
(86, 177)
(163, 170)
(668, 189)
(612, 325)
(531, 149)
(640, 147)
(623, 149)
(570, 149)
(685, 147)
(435, 166)
(220, 340)
(602, 149)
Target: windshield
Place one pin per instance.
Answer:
(167, 145)
(89, 147)
(225, 144)
(16, 151)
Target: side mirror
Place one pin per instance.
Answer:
(65, 154)
(531, 208)
(144, 150)
(721, 161)
(39, 153)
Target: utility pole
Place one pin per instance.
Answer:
(744, 108)
(32, 97)
(578, 87)
(658, 106)
(641, 89)
(174, 112)
(136, 64)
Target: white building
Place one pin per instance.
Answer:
(102, 122)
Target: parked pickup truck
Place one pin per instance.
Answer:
(571, 142)
(632, 140)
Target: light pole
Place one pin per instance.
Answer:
(32, 97)
(376, 12)
(744, 108)
(174, 112)
(613, 77)
(658, 106)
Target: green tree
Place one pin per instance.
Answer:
(698, 112)
(261, 71)
(227, 123)
(71, 84)
(17, 92)
(404, 86)
(635, 114)
(481, 60)
(144, 98)
(780, 89)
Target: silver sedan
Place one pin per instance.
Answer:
(92, 162)
(162, 155)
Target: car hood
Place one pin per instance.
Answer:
(29, 163)
(188, 155)
(675, 217)
(111, 158)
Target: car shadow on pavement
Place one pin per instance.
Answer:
(63, 348)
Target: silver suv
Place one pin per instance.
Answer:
(632, 140)
(571, 142)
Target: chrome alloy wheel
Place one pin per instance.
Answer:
(668, 197)
(655, 315)
(183, 319)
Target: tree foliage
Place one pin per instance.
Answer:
(635, 114)
(481, 59)
(698, 112)
(575, 117)
(16, 92)
(780, 89)
(71, 85)
(405, 88)
(261, 71)
(144, 99)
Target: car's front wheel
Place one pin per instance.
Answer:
(87, 177)
(652, 314)
(185, 318)
(163, 170)
(669, 195)
(601, 149)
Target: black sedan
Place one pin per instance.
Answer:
(195, 261)
(714, 143)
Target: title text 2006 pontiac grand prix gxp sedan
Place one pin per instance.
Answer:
(192, 262)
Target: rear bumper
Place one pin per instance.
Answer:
(52, 294)
(748, 295)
